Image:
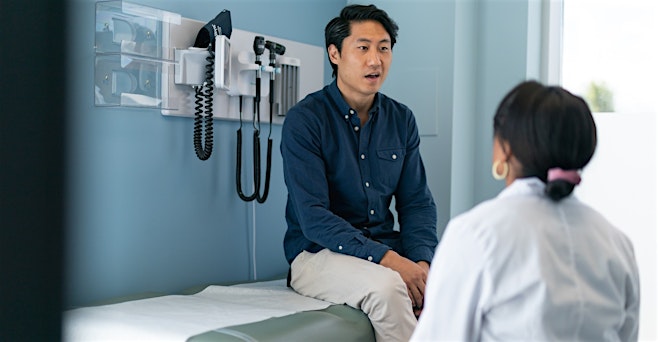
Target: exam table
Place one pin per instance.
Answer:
(258, 311)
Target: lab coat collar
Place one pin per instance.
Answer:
(524, 186)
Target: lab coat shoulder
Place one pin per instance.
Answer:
(598, 220)
(491, 219)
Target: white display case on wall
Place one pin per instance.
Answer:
(133, 55)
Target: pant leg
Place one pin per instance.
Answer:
(376, 290)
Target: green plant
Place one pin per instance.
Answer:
(599, 97)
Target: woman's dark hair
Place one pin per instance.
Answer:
(339, 28)
(546, 127)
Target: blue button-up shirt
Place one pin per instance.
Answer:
(342, 176)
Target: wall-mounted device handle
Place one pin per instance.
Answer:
(220, 25)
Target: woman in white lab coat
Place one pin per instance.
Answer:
(534, 263)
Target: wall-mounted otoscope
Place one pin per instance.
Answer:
(259, 49)
(275, 49)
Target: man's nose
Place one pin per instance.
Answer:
(374, 59)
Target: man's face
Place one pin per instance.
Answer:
(364, 60)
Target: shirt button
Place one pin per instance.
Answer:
(372, 212)
(340, 248)
(356, 128)
(395, 156)
(367, 184)
(363, 156)
(352, 111)
(370, 258)
(347, 117)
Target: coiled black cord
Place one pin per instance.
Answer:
(256, 151)
(238, 163)
(268, 167)
(203, 151)
(261, 199)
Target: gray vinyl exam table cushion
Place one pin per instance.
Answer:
(334, 323)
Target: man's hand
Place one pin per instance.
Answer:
(413, 274)
(426, 266)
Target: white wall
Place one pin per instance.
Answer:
(621, 182)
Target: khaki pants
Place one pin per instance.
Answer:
(342, 279)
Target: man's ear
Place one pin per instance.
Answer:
(334, 54)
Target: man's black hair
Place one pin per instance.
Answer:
(339, 28)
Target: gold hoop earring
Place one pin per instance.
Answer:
(494, 170)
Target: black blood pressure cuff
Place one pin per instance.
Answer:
(221, 25)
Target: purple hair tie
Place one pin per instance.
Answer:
(570, 176)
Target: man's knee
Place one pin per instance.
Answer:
(389, 288)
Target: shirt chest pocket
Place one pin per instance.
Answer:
(389, 167)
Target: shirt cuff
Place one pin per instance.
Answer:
(421, 254)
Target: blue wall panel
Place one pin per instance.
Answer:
(144, 214)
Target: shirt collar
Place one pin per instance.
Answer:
(344, 108)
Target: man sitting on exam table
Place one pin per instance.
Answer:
(347, 150)
(534, 263)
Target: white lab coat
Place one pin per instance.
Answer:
(521, 267)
